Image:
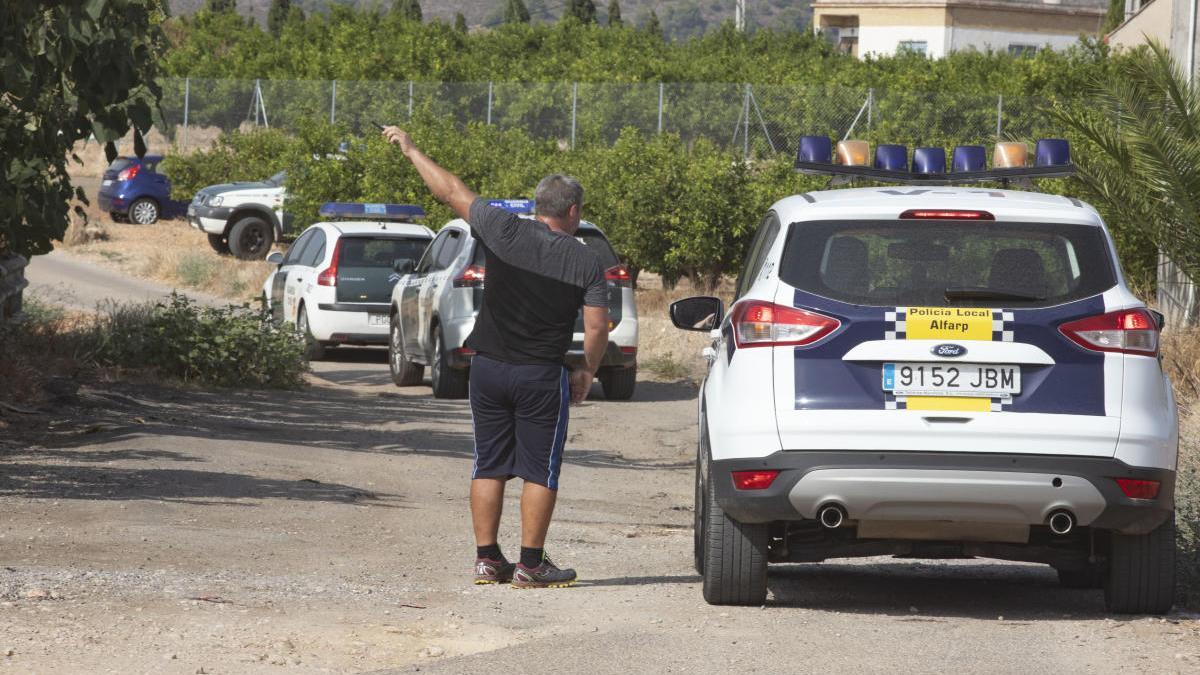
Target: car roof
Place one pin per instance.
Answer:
(376, 227)
(460, 223)
(887, 203)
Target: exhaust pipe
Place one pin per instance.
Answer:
(831, 516)
(1061, 522)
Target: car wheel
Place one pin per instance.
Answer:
(218, 243)
(250, 238)
(143, 211)
(618, 383)
(1091, 576)
(405, 373)
(447, 382)
(316, 350)
(1141, 571)
(735, 556)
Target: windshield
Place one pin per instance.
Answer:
(596, 241)
(278, 178)
(947, 263)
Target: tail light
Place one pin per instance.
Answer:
(944, 214)
(764, 324)
(472, 277)
(1128, 331)
(754, 480)
(619, 276)
(328, 276)
(129, 172)
(1138, 489)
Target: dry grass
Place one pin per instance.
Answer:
(663, 349)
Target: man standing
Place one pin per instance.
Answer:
(538, 276)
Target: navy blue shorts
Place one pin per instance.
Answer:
(520, 414)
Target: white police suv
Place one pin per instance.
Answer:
(934, 371)
(335, 280)
(244, 219)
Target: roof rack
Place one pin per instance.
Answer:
(815, 156)
(362, 211)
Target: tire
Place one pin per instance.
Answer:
(143, 211)
(698, 515)
(316, 350)
(735, 556)
(219, 243)
(618, 383)
(251, 238)
(447, 382)
(1091, 576)
(1141, 571)
(405, 373)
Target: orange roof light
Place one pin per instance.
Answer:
(1010, 155)
(853, 153)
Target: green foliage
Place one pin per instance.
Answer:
(516, 12)
(1138, 153)
(653, 26)
(460, 23)
(1115, 16)
(227, 346)
(614, 13)
(237, 156)
(277, 15)
(69, 71)
(221, 6)
(583, 11)
(407, 9)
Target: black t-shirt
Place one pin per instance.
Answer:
(537, 280)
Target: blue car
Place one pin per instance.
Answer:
(132, 188)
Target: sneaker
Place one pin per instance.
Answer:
(489, 571)
(546, 575)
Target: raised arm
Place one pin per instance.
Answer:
(445, 186)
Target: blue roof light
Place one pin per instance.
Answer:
(969, 158)
(929, 160)
(891, 157)
(343, 210)
(815, 149)
(1053, 152)
(521, 207)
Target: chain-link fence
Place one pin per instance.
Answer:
(757, 119)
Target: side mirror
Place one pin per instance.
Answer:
(403, 265)
(701, 313)
(275, 258)
(1159, 318)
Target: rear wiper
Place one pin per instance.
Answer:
(987, 294)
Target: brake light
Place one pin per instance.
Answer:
(1127, 331)
(328, 276)
(765, 324)
(619, 276)
(754, 480)
(471, 277)
(129, 172)
(1138, 489)
(943, 214)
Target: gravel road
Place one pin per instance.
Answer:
(179, 530)
(72, 282)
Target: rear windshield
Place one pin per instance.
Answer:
(597, 242)
(380, 251)
(121, 163)
(944, 263)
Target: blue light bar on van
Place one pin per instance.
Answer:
(815, 149)
(1053, 152)
(891, 157)
(342, 210)
(929, 160)
(521, 207)
(969, 158)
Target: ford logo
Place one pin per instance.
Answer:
(949, 350)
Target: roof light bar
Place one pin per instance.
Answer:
(521, 206)
(345, 210)
(968, 163)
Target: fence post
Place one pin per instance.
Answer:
(410, 99)
(660, 106)
(187, 91)
(333, 104)
(999, 116)
(489, 112)
(870, 107)
(746, 123)
(574, 107)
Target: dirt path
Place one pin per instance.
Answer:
(75, 283)
(186, 531)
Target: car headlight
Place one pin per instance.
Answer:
(216, 201)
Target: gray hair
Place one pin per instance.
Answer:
(556, 194)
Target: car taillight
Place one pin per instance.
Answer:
(471, 277)
(1138, 489)
(765, 324)
(619, 276)
(945, 214)
(128, 173)
(1128, 331)
(328, 276)
(754, 480)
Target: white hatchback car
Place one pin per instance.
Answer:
(935, 372)
(335, 281)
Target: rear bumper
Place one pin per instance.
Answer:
(348, 323)
(999, 489)
(614, 357)
(110, 203)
